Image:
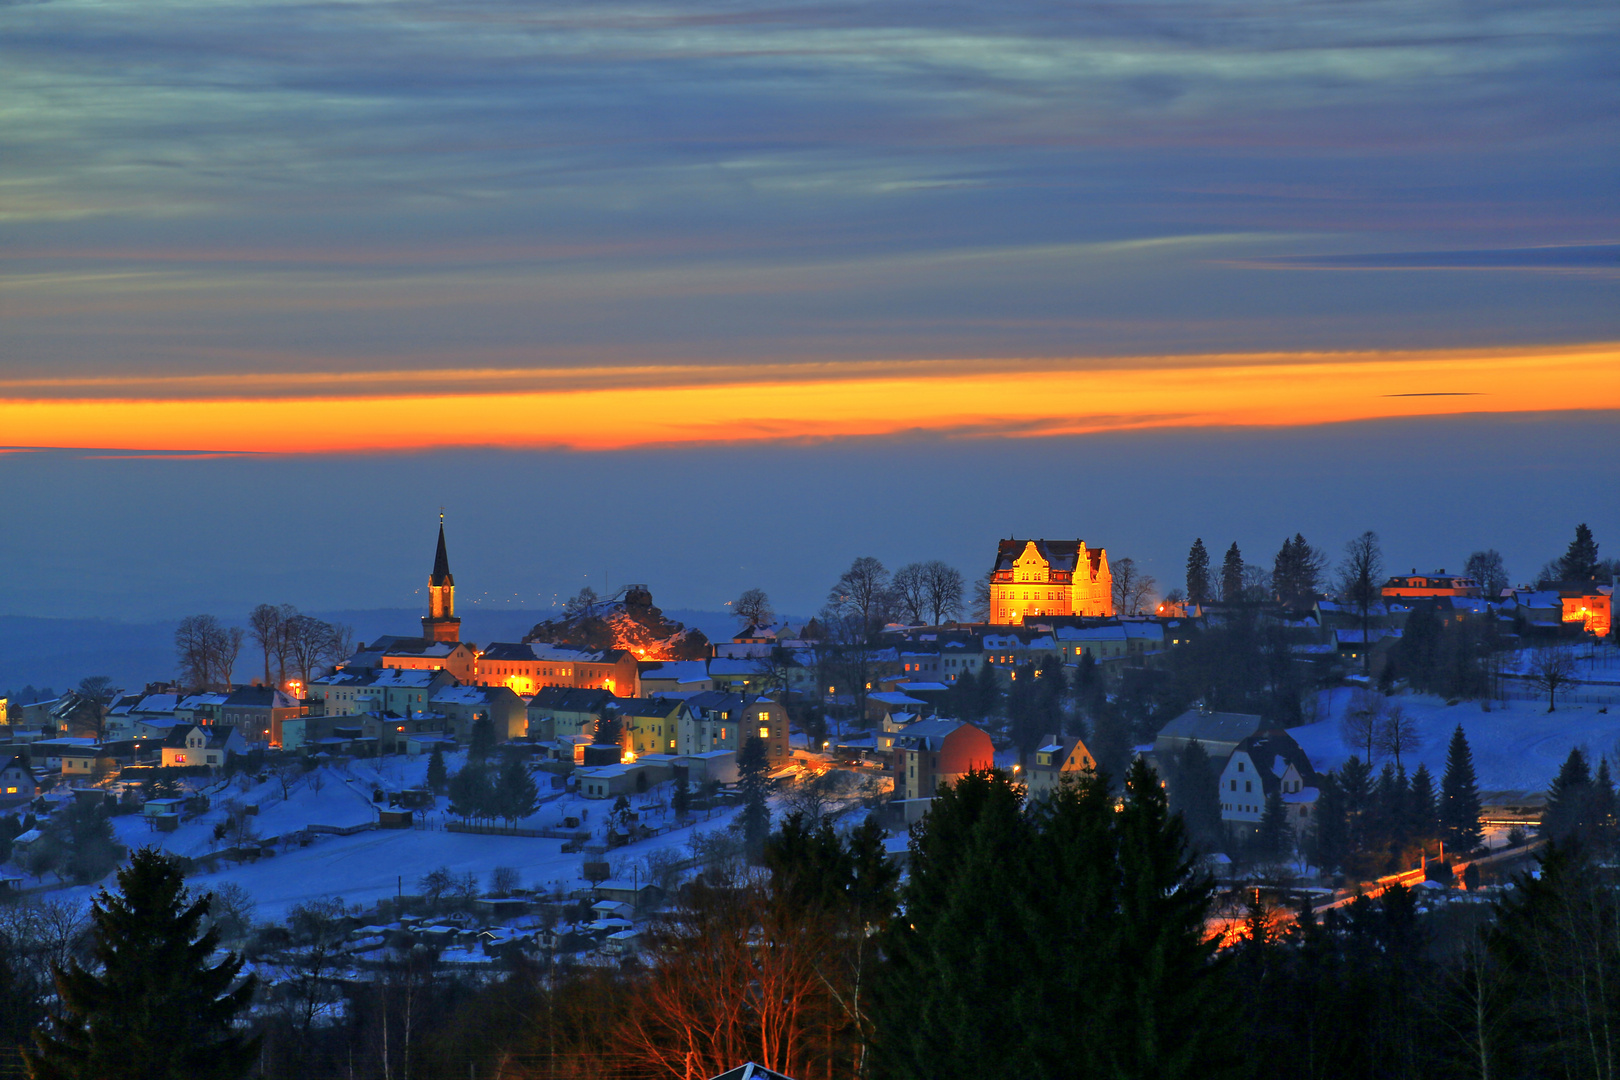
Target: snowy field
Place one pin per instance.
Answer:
(1518, 746)
(369, 866)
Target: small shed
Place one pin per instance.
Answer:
(395, 819)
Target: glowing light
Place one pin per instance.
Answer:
(615, 407)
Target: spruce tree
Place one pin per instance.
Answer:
(150, 1007)
(1273, 840)
(1424, 822)
(481, 740)
(1604, 814)
(516, 795)
(1459, 797)
(1569, 800)
(1232, 575)
(753, 782)
(1580, 562)
(1198, 583)
(680, 796)
(1330, 831)
(437, 777)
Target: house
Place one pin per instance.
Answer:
(1055, 758)
(526, 667)
(749, 1071)
(191, 745)
(400, 691)
(718, 766)
(930, 753)
(18, 784)
(1218, 732)
(1438, 583)
(1265, 763)
(650, 725)
(459, 658)
(555, 712)
(882, 705)
(1031, 578)
(92, 760)
(719, 721)
(258, 711)
(464, 706)
(202, 708)
(675, 677)
(1590, 605)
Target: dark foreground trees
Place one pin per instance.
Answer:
(150, 1007)
(1068, 940)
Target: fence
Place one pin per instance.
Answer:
(1565, 697)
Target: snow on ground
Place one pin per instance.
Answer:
(368, 866)
(1517, 746)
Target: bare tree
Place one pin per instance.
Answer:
(1363, 720)
(95, 698)
(981, 597)
(1132, 588)
(1553, 669)
(943, 585)
(862, 591)
(1359, 585)
(910, 591)
(1398, 733)
(312, 643)
(753, 608)
(1487, 568)
(265, 627)
(207, 651)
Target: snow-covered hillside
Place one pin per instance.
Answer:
(1517, 746)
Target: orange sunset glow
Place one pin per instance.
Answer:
(605, 409)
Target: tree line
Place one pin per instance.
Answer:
(290, 642)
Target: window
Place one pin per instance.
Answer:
(1248, 785)
(764, 732)
(1240, 766)
(180, 759)
(1234, 785)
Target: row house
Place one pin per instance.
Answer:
(526, 668)
(401, 691)
(257, 712)
(459, 658)
(718, 721)
(561, 712)
(464, 706)
(650, 725)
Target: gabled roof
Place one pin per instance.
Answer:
(648, 706)
(927, 734)
(1062, 555)
(750, 1071)
(570, 699)
(1272, 752)
(1211, 727)
(259, 697)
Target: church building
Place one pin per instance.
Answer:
(440, 623)
(1049, 577)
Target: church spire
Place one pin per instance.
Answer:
(440, 623)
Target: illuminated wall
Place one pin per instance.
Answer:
(1039, 577)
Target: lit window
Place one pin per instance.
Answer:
(764, 732)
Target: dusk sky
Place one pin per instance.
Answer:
(716, 295)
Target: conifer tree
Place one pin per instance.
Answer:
(437, 776)
(1198, 583)
(1459, 797)
(1604, 815)
(1330, 832)
(1569, 801)
(1274, 839)
(481, 740)
(1580, 562)
(516, 795)
(752, 782)
(1356, 784)
(151, 1007)
(1232, 575)
(1424, 823)
(680, 797)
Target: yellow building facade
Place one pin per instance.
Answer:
(1049, 577)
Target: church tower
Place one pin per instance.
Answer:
(440, 623)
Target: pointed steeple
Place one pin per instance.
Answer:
(441, 561)
(440, 623)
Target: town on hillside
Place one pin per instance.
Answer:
(1324, 729)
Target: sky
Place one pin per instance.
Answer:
(716, 295)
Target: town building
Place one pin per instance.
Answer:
(18, 784)
(1265, 763)
(1049, 577)
(440, 623)
(1439, 583)
(932, 753)
(650, 725)
(719, 721)
(401, 691)
(557, 712)
(1219, 733)
(459, 658)
(192, 744)
(258, 712)
(527, 668)
(1055, 758)
(464, 706)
